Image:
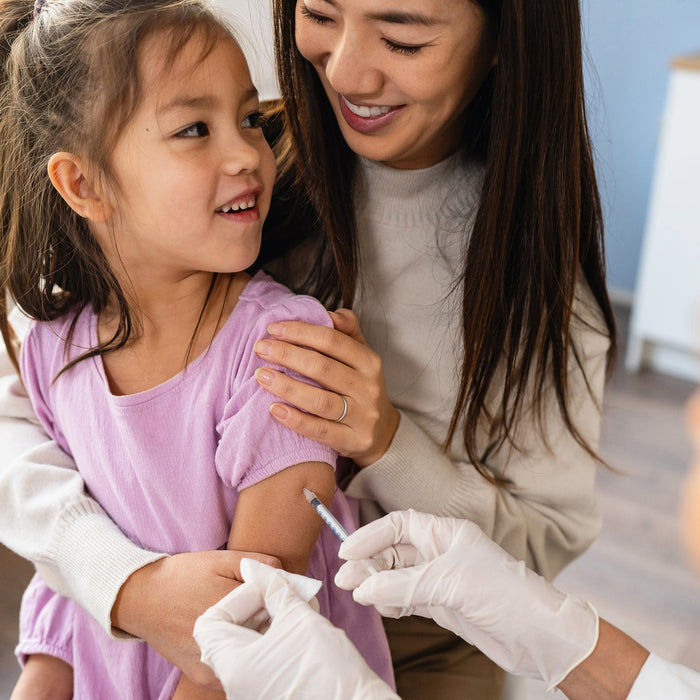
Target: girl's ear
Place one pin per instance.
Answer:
(68, 175)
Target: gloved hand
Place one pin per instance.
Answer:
(300, 655)
(449, 570)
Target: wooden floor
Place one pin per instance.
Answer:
(636, 573)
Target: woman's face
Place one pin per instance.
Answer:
(398, 73)
(691, 497)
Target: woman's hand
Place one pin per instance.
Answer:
(160, 602)
(351, 411)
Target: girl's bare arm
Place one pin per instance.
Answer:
(274, 517)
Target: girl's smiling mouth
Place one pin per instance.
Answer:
(242, 208)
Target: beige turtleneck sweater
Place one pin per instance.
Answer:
(411, 228)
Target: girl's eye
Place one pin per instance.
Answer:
(319, 19)
(197, 130)
(402, 48)
(254, 120)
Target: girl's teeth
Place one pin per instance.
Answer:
(239, 206)
(366, 112)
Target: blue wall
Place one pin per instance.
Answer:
(630, 45)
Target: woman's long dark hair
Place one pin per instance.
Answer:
(539, 220)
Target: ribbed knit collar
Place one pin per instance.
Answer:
(448, 188)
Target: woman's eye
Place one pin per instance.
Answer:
(402, 48)
(319, 19)
(254, 120)
(197, 130)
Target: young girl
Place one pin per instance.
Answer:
(135, 180)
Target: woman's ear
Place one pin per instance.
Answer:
(68, 175)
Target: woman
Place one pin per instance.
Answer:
(443, 148)
(470, 220)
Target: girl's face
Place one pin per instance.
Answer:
(398, 73)
(691, 496)
(193, 170)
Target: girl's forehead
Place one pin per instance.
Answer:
(161, 58)
(197, 70)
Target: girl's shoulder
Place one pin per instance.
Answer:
(44, 350)
(264, 301)
(53, 334)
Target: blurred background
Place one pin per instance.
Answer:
(643, 85)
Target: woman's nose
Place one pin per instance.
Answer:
(351, 68)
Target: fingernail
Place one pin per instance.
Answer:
(279, 410)
(277, 329)
(264, 376)
(263, 347)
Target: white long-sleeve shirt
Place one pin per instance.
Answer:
(662, 680)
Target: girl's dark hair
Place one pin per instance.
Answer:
(539, 222)
(70, 82)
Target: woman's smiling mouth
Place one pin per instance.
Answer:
(365, 118)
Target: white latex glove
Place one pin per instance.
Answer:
(449, 570)
(300, 655)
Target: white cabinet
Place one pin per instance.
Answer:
(665, 323)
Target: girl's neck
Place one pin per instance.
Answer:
(171, 330)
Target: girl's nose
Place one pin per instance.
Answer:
(241, 156)
(351, 69)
